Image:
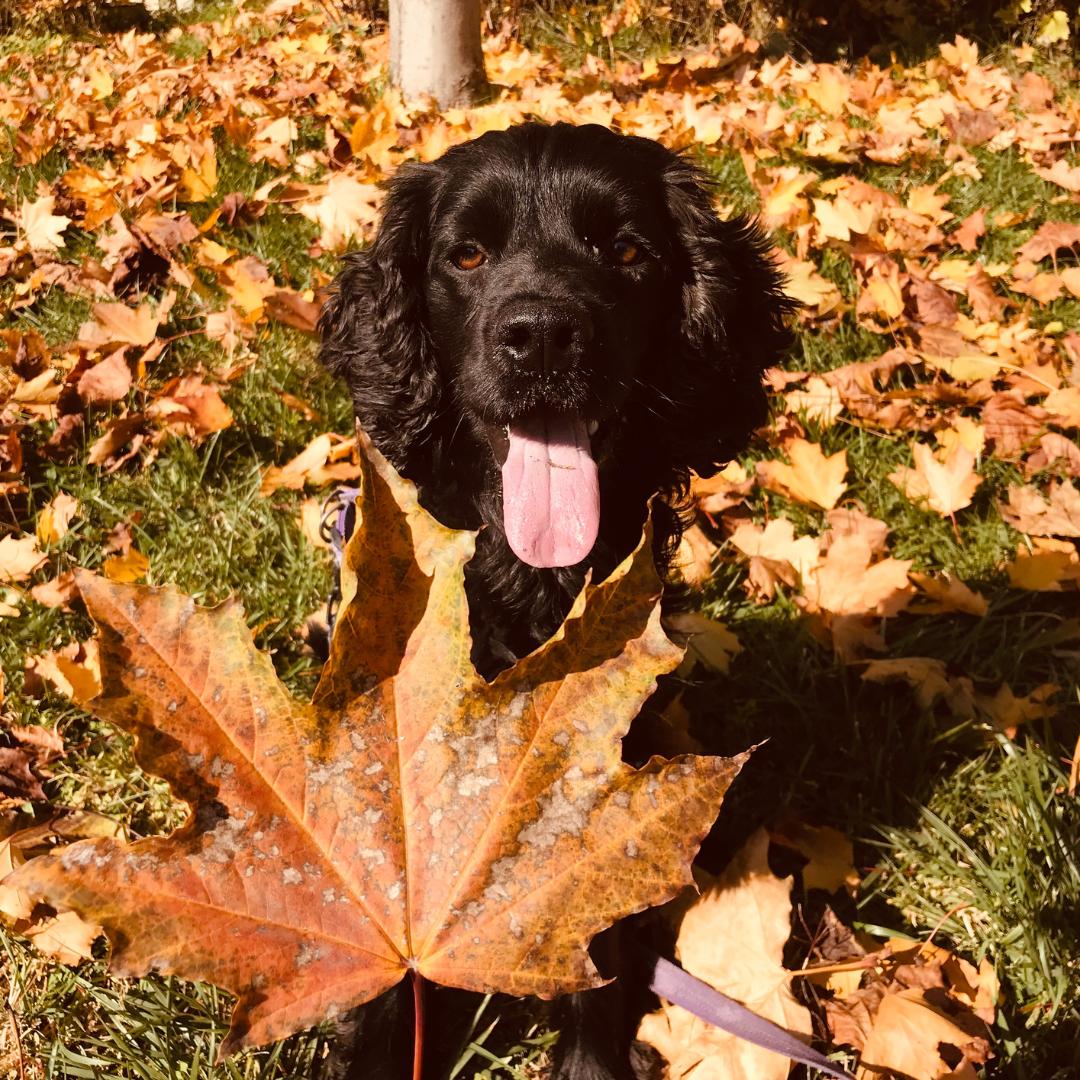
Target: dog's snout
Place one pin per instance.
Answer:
(544, 337)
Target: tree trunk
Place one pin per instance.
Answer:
(435, 50)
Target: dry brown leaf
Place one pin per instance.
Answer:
(192, 406)
(970, 230)
(1050, 238)
(42, 229)
(732, 937)
(315, 464)
(694, 560)
(816, 400)
(57, 593)
(810, 478)
(907, 1040)
(851, 521)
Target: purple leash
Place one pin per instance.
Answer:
(668, 980)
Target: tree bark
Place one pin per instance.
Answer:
(435, 50)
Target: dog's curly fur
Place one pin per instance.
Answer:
(670, 367)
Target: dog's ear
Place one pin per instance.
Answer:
(372, 324)
(732, 325)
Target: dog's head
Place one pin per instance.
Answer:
(566, 301)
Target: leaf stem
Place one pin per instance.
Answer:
(418, 1025)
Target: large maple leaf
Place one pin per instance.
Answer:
(412, 818)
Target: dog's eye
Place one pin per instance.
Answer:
(468, 257)
(625, 252)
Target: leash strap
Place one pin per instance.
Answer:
(338, 522)
(670, 982)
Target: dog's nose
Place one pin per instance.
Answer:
(544, 337)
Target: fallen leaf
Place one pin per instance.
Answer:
(829, 853)
(732, 936)
(776, 556)
(1050, 238)
(1056, 515)
(846, 582)
(810, 478)
(414, 817)
(312, 465)
(930, 680)
(944, 485)
(57, 593)
(130, 567)
(1005, 712)
(107, 381)
(19, 558)
(947, 593)
(817, 400)
(55, 519)
(64, 937)
(43, 230)
(706, 640)
(693, 561)
(971, 229)
(118, 324)
(1046, 566)
(74, 670)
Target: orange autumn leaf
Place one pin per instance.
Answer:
(944, 485)
(845, 582)
(810, 478)
(413, 817)
(1058, 514)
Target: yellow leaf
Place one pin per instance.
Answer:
(55, 519)
(705, 639)
(970, 367)
(1054, 28)
(964, 432)
(128, 568)
(846, 583)
(1046, 566)
(810, 478)
(200, 181)
(944, 485)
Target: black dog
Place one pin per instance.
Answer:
(551, 326)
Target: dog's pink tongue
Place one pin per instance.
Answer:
(551, 492)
